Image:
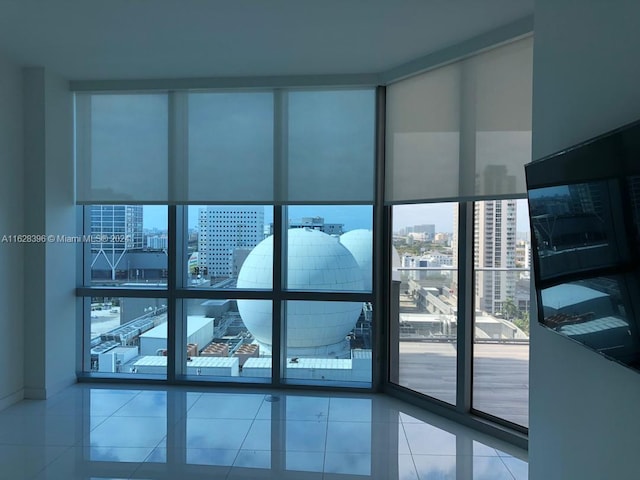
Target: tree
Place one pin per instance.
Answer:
(509, 309)
(523, 322)
(512, 313)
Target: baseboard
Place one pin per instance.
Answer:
(38, 393)
(11, 398)
(61, 385)
(31, 393)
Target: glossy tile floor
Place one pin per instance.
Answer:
(106, 432)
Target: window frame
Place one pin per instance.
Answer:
(176, 292)
(463, 411)
(383, 333)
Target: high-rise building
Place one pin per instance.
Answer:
(523, 254)
(494, 248)
(586, 198)
(222, 230)
(429, 230)
(314, 223)
(158, 242)
(634, 201)
(115, 229)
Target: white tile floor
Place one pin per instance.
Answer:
(105, 432)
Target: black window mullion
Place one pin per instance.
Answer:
(280, 158)
(381, 251)
(465, 308)
(277, 322)
(175, 323)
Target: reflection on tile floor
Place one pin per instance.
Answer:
(94, 432)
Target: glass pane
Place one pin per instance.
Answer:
(330, 248)
(227, 248)
(128, 245)
(228, 338)
(424, 296)
(502, 257)
(128, 336)
(328, 341)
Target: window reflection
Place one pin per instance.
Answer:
(593, 312)
(587, 281)
(574, 227)
(215, 435)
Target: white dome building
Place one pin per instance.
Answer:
(360, 244)
(316, 262)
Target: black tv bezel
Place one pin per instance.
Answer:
(621, 149)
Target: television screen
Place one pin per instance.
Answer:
(584, 208)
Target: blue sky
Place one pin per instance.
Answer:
(353, 217)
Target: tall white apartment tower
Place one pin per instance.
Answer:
(223, 230)
(494, 247)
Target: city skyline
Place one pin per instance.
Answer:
(352, 216)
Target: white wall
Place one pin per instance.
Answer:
(34, 224)
(60, 297)
(584, 410)
(11, 222)
(50, 326)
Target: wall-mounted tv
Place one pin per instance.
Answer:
(584, 208)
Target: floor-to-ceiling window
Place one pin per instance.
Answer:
(247, 219)
(502, 285)
(457, 138)
(424, 264)
(228, 235)
(427, 295)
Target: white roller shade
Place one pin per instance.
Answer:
(330, 148)
(462, 131)
(122, 148)
(228, 147)
(423, 136)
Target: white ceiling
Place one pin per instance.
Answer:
(123, 39)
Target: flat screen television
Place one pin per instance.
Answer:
(584, 209)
